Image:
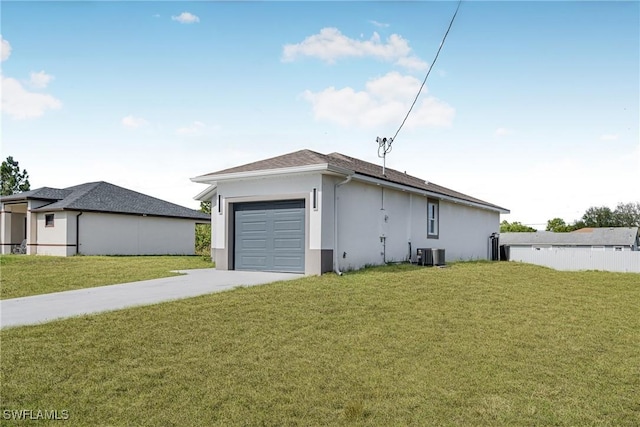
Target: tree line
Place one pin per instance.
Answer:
(624, 215)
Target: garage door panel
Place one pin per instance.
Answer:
(254, 262)
(249, 244)
(255, 226)
(288, 225)
(287, 263)
(270, 236)
(288, 244)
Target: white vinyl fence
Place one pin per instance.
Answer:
(574, 260)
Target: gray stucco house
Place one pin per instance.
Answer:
(96, 218)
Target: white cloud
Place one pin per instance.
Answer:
(5, 49)
(186, 18)
(156, 15)
(195, 129)
(384, 101)
(609, 137)
(19, 103)
(379, 24)
(133, 122)
(330, 45)
(40, 80)
(412, 63)
(503, 132)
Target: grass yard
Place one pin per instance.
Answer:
(474, 344)
(22, 275)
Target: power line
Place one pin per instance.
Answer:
(429, 70)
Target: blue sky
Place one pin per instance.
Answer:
(532, 105)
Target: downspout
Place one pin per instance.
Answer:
(78, 233)
(336, 269)
(409, 226)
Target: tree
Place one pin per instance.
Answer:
(13, 180)
(557, 225)
(203, 232)
(599, 217)
(205, 207)
(627, 214)
(514, 227)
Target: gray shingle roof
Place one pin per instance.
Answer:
(309, 157)
(43, 193)
(612, 236)
(105, 197)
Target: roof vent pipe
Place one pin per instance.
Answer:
(336, 268)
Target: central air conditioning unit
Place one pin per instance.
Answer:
(438, 256)
(424, 256)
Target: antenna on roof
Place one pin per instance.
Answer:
(384, 147)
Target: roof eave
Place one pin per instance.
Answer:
(422, 192)
(320, 167)
(208, 194)
(17, 199)
(71, 209)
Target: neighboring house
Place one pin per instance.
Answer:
(608, 249)
(96, 218)
(602, 239)
(311, 213)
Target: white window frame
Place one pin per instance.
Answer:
(433, 219)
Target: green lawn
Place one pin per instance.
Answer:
(474, 344)
(22, 275)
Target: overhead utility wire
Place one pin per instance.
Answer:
(428, 71)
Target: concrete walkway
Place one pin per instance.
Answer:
(44, 308)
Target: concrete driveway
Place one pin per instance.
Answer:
(44, 308)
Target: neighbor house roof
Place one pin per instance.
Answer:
(105, 197)
(607, 236)
(340, 161)
(42, 193)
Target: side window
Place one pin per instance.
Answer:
(48, 220)
(433, 218)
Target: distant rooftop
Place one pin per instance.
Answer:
(104, 197)
(606, 236)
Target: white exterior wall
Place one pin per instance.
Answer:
(359, 227)
(274, 188)
(328, 186)
(365, 216)
(53, 240)
(114, 234)
(463, 230)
